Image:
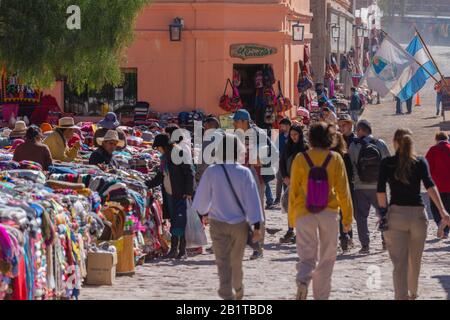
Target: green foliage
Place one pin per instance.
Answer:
(36, 43)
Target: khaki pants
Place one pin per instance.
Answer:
(405, 241)
(229, 243)
(317, 236)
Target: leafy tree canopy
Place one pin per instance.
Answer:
(36, 42)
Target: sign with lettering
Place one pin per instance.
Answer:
(248, 51)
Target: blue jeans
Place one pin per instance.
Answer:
(268, 192)
(398, 108)
(409, 105)
(438, 103)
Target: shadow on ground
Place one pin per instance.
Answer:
(445, 282)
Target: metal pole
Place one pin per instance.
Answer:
(430, 56)
(407, 53)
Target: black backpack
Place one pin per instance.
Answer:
(369, 161)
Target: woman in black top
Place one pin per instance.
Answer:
(296, 144)
(406, 220)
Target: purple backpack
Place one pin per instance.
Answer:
(318, 186)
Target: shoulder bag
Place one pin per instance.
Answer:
(250, 231)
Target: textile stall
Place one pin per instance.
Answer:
(51, 221)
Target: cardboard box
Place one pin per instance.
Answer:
(101, 268)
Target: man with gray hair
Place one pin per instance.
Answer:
(366, 154)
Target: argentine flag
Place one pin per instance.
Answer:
(420, 76)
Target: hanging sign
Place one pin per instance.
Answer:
(248, 51)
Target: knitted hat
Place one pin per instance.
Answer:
(46, 127)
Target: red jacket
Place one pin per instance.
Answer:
(438, 158)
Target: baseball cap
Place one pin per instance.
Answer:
(241, 114)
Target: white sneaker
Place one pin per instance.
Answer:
(302, 291)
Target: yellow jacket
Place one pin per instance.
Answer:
(339, 196)
(59, 149)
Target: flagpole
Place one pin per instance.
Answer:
(430, 56)
(408, 54)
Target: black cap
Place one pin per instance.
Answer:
(161, 140)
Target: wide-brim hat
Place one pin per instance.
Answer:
(110, 122)
(20, 129)
(111, 135)
(67, 123)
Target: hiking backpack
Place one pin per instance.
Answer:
(318, 186)
(369, 160)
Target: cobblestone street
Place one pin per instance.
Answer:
(354, 277)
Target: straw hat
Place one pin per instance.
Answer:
(19, 131)
(111, 135)
(66, 123)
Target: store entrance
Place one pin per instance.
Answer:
(245, 76)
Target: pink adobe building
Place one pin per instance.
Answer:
(189, 74)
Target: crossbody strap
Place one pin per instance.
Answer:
(232, 189)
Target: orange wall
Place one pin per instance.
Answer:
(175, 76)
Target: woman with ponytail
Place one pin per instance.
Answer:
(404, 220)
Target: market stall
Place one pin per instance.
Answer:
(55, 225)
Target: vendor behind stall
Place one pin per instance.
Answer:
(33, 149)
(109, 123)
(177, 181)
(108, 144)
(57, 141)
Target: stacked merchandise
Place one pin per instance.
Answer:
(49, 220)
(43, 236)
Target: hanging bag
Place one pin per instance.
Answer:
(195, 232)
(283, 104)
(233, 103)
(250, 231)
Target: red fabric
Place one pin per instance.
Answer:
(74, 140)
(438, 158)
(8, 110)
(19, 284)
(40, 114)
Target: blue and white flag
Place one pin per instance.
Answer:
(390, 70)
(420, 78)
